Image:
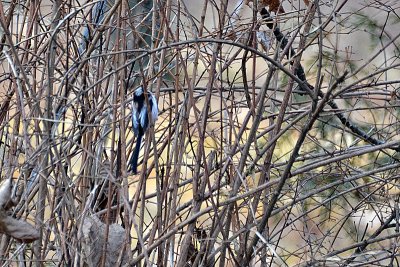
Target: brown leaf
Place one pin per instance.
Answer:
(93, 232)
(17, 229)
(273, 5)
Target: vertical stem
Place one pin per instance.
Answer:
(45, 160)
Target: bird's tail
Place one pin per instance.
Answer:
(134, 160)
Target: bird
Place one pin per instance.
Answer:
(140, 120)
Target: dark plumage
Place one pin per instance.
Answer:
(140, 120)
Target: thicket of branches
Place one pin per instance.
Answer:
(276, 144)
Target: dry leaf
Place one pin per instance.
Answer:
(93, 231)
(273, 5)
(17, 229)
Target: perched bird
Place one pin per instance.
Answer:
(97, 19)
(140, 120)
